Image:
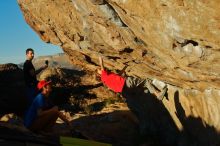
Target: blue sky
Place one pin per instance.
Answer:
(16, 36)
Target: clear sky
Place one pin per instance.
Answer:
(16, 36)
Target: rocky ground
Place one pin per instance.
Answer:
(99, 114)
(96, 113)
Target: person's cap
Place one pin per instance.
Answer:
(42, 83)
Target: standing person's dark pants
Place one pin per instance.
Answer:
(31, 92)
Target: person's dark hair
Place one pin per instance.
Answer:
(29, 49)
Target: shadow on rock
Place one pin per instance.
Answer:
(12, 89)
(72, 98)
(118, 128)
(195, 132)
(156, 126)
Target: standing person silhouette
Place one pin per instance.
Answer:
(30, 75)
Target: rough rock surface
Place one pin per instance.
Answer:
(175, 41)
(12, 89)
(84, 100)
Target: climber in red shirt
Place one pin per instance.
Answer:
(128, 85)
(113, 81)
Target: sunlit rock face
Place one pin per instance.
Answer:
(175, 41)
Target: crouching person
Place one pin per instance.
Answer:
(42, 114)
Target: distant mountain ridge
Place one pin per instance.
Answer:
(58, 60)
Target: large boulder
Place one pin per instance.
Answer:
(174, 41)
(12, 89)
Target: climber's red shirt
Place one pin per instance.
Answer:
(113, 81)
